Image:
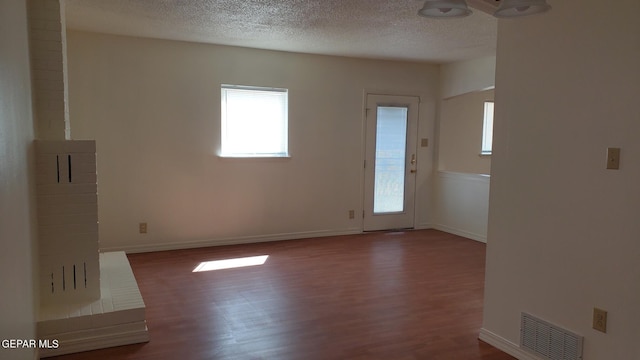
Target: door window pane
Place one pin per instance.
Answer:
(391, 140)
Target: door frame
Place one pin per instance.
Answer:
(410, 99)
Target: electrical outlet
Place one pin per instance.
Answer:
(613, 158)
(352, 214)
(600, 320)
(143, 228)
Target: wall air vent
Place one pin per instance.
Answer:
(549, 341)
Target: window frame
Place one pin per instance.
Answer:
(284, 123)
(487, 149)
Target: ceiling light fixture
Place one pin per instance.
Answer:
(516, 8)
(444, 9)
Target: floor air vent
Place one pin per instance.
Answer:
(549, 341)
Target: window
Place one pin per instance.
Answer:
(254, 122)
(487, 129)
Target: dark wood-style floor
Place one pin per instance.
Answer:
(402, 295)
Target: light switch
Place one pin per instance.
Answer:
(613, 158)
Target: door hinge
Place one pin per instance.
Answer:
(363, 214)
(365, 164)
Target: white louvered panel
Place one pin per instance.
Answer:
(528, 333)
(67, 221)
(542, 339)
(549, 341)
(556, 344)
(573, 347)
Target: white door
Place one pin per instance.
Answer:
(390, 162)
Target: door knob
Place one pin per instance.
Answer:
(413, 163)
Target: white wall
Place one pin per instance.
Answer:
(49, 68)
(17, 230)
(460, 136)
(461, 196)
(153, 106)
(563, 231)
(462, 204)
(463, 77)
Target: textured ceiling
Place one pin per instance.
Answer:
(382, 29)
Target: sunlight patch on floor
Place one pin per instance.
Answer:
(231, 263)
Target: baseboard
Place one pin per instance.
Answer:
(463, 233)
(424, 226)
(505, 345)
(229, 241)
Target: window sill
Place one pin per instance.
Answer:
(484, 154)
(254, 157)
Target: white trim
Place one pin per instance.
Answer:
(230, 241)
(492, 87)
(465, 176)
(253, 88)
(424, 226)
(505, 345)
(463, 233)
(255, 156)
(469, 210)
(487, 128)
(281, 122)
(405, 218)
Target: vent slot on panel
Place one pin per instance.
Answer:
(64, 277)
(544, 339)
(69, 166)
